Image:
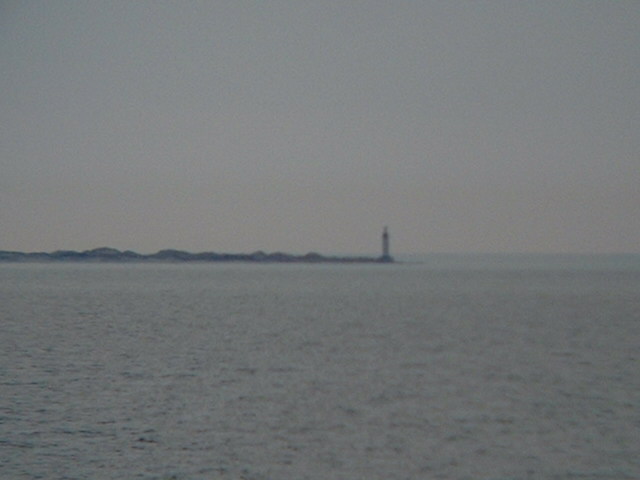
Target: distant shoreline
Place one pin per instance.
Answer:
(111, 255)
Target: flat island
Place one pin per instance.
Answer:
(106, 254)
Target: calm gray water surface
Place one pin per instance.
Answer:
(262, 372)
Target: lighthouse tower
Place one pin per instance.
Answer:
(386, 256)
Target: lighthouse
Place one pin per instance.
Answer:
(386, 256)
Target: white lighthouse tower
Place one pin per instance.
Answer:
(386, 256)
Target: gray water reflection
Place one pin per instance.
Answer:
(318, 372)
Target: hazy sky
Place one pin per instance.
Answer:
(465, 126)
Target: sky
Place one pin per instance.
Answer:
(302, 125)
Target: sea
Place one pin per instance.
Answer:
(438, 367)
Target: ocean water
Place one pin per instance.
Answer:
(436, 370)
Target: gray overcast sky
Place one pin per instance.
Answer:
(466, 126)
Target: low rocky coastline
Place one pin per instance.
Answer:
(106, 254)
